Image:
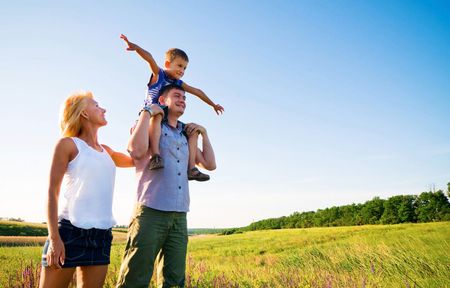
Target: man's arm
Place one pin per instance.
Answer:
(200, 94)
(143, 53)
(205, 158)
(139, 140)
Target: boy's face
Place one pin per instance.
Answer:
(176, 68)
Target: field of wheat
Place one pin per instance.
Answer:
(407, 255)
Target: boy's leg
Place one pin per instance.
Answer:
(174, 251)
(193, 172)
(156, 162)
(192, 143)
(146, 236)
(155, 133)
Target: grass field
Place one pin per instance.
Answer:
(407, 255)
(13, 228)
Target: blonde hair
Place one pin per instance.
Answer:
(70, 117)
(173, 53)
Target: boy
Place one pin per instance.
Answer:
(174, 66)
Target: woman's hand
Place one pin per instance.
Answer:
(56, 253)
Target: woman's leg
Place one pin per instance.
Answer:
(57, 278)
(91, 276)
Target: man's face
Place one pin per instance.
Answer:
(175, 100)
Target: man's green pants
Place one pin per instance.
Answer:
(150, 232)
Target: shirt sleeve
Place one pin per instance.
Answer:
(160, 77)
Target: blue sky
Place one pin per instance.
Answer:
(327, 102)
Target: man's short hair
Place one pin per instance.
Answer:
(164, 90)
(173, 53)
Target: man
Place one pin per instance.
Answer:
(159, 221)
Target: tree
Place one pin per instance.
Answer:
(391, 207)
(406, 210)
(432, 207)
(372, 211)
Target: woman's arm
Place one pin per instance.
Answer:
(120, 159)
(65, 151)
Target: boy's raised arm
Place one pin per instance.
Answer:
(200, 94)
(143, 53)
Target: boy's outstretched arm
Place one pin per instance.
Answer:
(143, 53)
(200, 94)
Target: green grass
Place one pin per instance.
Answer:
(407, 255)
(370, 256)
(13, 228)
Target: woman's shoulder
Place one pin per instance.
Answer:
(67, 140)
(65, 148)
(66, 144)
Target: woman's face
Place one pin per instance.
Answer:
(94, 113)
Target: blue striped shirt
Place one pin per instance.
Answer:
(153, 89)
(166, 189)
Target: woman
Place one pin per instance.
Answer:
(80, 234)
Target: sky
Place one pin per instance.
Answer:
(327, 103)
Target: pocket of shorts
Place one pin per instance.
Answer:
(74, 253)
(70, 234)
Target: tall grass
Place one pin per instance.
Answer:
(408, 255)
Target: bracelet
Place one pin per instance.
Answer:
(148, 109)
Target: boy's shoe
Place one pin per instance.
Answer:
(195, 174)
(156, 162)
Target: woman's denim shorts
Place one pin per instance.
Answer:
(83, 247)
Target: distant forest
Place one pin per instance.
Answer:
(426, 207)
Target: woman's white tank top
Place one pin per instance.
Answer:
(88, 188)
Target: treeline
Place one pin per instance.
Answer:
(201, 231)
(11, 219)
(426, 207)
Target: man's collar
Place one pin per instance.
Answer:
(180, 125)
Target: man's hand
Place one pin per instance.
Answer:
(218, 108)
(131, 45)
(192, 128)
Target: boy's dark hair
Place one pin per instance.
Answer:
(164, 90)
(173, 53)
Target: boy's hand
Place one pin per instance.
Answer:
(131, 45)
(156, 110)
(219, 109)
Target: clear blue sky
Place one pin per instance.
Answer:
(327, 102)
